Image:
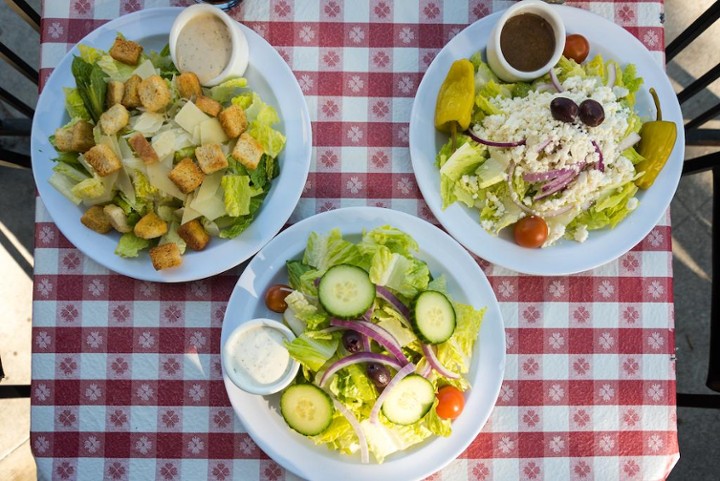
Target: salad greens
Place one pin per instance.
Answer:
(517, 160)
(224, 202)
(389, 256)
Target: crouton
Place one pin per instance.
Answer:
(150, 226)
(142, 148)
(188, 85)
(154, 93)
(186, 175)
(115, 91)
(103, 160)
(248, 151)
(126, 51)
(114, 119)
(194, 234)
(211, 158)
(165, 256)
(117, 218)
(76, 138)
(208, 105)
(233, 121)
(131, 98)
(95, 219)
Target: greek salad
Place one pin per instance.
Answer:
(558, 150)
(159, 159)
(383, 346)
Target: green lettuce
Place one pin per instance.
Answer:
(312, 353)
(225, 91)
(324, 251)
(393, 238)
(305, 311)
(130, 245)
(464, 160)
(407, 276)
(237, 194)
(606, 212)
(74, 104)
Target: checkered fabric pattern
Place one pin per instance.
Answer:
(126, 374)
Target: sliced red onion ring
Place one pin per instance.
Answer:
(601, 163)
(436, 364)
(392, 299)
(612, 75)
(555, 185)
(517, 202)
(425, 371)
(356, 358)
(376, 332)
(541, 146)
(632, 139)
(555, 80)
(492, 143)
(362, 440)
(399, 376)
(549, 175)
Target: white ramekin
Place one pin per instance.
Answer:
(242, 383)
(495, 57)
(240, 52)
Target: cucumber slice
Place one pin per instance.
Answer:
(306, 408)
(346, 292)
(409, 401)
(433, 317)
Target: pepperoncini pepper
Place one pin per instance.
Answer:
(657, 139)
(455, 99)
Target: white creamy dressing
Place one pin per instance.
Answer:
(204, 47)
(257, 356)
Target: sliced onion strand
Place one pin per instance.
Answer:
(555, 80)
(385, 293)
(436, 364)
(354, 359)
(376, 332)
(362, 440)
(492, 143)
(612, 75)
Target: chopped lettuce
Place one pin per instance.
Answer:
(324, 251)
(228, 89)
(130, 245)
(237, 193)
(312, 353)
(407, 276)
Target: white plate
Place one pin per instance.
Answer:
(566, 257)
(267, 74)
(466, 282)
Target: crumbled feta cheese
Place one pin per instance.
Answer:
(581, 233)
(632, 203)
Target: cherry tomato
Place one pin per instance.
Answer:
(275, 297)
(531, 231)
(451, 402)
(576, 47)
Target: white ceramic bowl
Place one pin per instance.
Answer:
(244, 382)
(497, 61)
(240, 52)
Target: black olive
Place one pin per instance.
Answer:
(378, 374)
(352, 341)
(591, 113)
(563, 109)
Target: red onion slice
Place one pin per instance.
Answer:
(392, 299)
(376, 332)
(541, 146)
(555, 185)
(549, 175)
(555, 80)
(399, 376)
(362, 440)
(492, 143)
(601, 163)
(354, 359)
(517, 202)
(612, 75)
(632, 139)
(436, 364)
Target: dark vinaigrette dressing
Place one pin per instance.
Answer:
(527, 41)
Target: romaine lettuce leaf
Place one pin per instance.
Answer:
(324, 251)
(312, 353)
(228, 89)
(237, 194)
(407, 276)
(130, 245)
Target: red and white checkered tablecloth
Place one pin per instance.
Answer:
(126, 379)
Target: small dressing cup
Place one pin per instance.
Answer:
(240, 53)
(495, 57)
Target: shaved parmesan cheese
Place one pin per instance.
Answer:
(211, 132)
(164, 143)
(158, 176)
(145, 70)
(190, 116)
(147, 123)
